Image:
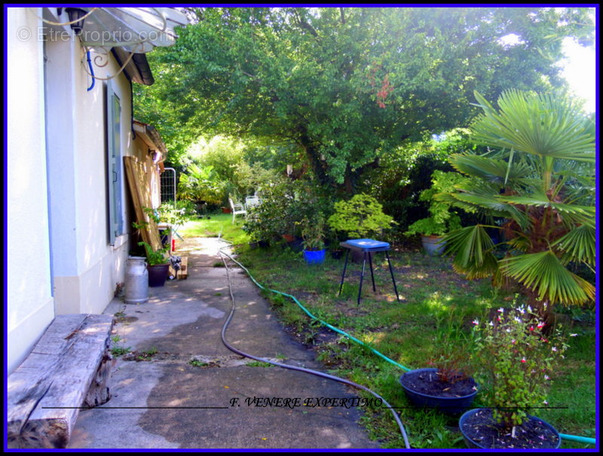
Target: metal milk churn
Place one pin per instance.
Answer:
(137, 280)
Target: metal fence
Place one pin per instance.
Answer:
(168, 185)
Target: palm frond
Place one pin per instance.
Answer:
(572, 213)
(493, 170)
(544, 273)
(524, 123)
(578, 245)
(472, 250)
(494, 204)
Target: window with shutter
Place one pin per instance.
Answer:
(114, 165)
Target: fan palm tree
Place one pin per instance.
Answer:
(538, 178)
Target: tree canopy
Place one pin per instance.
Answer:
(347, 85)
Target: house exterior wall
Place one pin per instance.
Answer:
(60, 259)
(87, 268)
(30, 307)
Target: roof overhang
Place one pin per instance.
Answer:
(137, 68)
(150, 136)
(128, 33)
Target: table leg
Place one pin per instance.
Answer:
(362, 275)
(392, 273)
(370, 256)
(345, 265)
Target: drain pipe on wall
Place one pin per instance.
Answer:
(574, 438)
(297, 368)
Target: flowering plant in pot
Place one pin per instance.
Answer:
(448, 383)
(519, 357)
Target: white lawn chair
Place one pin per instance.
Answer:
(251, 201)
(237, 209)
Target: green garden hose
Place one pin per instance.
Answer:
(297, 368)
(313, 317)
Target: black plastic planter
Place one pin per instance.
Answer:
(480, 430)
(448, 404)
(158, 274)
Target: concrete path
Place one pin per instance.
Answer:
(180, 387)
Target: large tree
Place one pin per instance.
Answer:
(348, 84)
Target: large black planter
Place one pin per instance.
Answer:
(480, 430)
(449, 402)
(158, 274)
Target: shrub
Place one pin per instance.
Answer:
(360, 217)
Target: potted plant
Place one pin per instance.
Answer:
(448, 383)
(361, 217)
(518, 361)
(442, 219)
(313, 239)
(158, 264)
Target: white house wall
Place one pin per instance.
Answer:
(86, 268)
(59, 257)
(30, 302)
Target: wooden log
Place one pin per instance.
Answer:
(47, 391)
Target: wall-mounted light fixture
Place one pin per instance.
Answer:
(75, 18)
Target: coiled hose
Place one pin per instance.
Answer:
(296, 368)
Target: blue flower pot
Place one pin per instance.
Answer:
(314, 256)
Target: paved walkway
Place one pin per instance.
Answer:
(180, 387)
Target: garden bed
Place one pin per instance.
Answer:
(430, 293)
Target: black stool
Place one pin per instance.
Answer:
(366, 246)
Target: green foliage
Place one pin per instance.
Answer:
(313, 232)
(404, 172)
(284, 205)
(450, 346)
(442, 217)
(360, 217)
(175, 213)
(539, 180)
(155, 257)
(518, 360)
(201, 184)
(347, 85)
(231, 163)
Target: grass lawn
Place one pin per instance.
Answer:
(436, 309)
(217, 225)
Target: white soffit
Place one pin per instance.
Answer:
(137, 30)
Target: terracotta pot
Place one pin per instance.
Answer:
(433, 245)
(288, 237)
